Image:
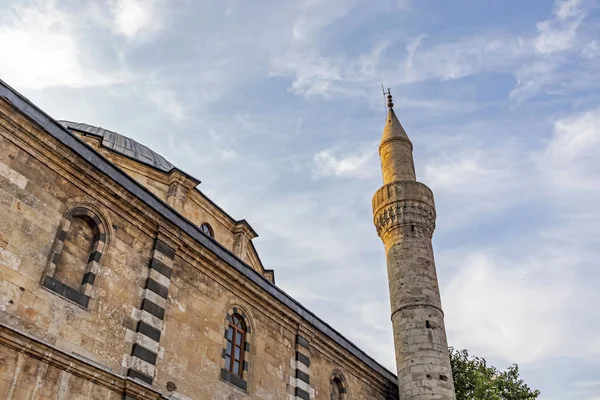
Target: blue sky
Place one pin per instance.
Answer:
(276, 107)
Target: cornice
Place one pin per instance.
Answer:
(75, 365)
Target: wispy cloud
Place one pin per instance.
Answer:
(558, 34)
(329, 162)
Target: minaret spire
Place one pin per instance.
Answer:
(395, 149)
(404, 215)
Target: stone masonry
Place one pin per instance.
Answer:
(109, 290)
(404, 216)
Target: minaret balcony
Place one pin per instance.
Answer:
(403, 203)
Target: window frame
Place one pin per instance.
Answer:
(242, 378)
(209, 230)
(238, 329)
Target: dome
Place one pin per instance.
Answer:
(122, 145)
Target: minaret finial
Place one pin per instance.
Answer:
(388, 94)
(390, 104)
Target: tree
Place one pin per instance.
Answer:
(475, 380)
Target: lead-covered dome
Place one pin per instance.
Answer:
(122, 145)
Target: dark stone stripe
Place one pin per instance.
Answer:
(157, 288)
(95, 256)
(342, 390)
(233, 379)
(62, 236)
(303, 376)
(164, 249)
(88, 277)
(66, 291)
(55, 258)
(153, 309)
(302, 342)
(246, 346)
(161, 268)
(102, 237)
(303, 359)
(96, 220)
(79, 212)
(149, 331)
(245, 365)
(143, 377)
(144, 354)
(303, 394)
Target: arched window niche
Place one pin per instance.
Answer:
(76, 255)
(236, 349)
(338, 386)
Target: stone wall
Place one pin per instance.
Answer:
(103, 325)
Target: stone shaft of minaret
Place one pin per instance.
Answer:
(404, 215)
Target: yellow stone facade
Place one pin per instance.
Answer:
(404, 215)
(150, 317)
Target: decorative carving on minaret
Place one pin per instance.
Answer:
(401, 203)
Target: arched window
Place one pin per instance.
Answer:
(338, 386)
(234, 352)
(236, 349)
(207, 230)
(75, 257)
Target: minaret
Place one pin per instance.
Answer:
(404, 215)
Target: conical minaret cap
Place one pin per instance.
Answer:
(393, 129)
(395, 149)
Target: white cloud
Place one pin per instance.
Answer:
(507, 308)
(532, 78)
(576, 137)
(564, 9)
(591, 50)
(553, 38)
(329, 162)
(134, 18)
(558, 34)
(570, 160)
(464, 172)
(523, 297)
(40, 49)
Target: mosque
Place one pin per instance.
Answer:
(120, 279)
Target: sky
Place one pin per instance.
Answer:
(276, 106)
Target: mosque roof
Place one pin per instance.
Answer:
(122, 145)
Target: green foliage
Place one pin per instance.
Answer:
(475, 380)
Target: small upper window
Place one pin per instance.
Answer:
(207, 230)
